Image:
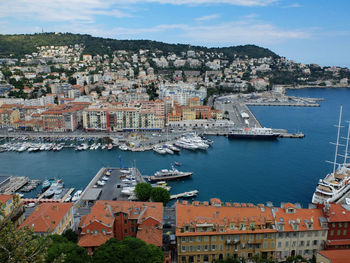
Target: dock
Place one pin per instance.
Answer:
(284, 104)
(188, 194)
(14, 184)
(298, 135)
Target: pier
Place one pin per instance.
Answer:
(185, 195)
(14, 184)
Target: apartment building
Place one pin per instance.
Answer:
(12, 208)
(210, 231)
(50, 218)
(299, 231)
(338, 218)
(120, 219)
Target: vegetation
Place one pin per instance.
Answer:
(129, 250)
(143, 191)
(17, 46)
(159, 194)
(63, 250)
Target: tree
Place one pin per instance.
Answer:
(130, 250)
(70, 235)
(159, 194)
(63, 250)
(20, 245)
(143, 191)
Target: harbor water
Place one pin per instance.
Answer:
(232, 170)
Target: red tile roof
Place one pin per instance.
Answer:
(47, 216)
(301, 215)
(338, 242)
(94, 240)
(337, 213)
(5, 198)
(336, 256)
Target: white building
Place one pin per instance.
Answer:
(181, 92)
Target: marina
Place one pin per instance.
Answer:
(189, 194)
(228, 169)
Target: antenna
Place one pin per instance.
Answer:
(337, 145)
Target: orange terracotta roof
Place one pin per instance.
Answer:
(192, 215)
(5, 198)
(150, 235)
(301, 215)
(337, 213)
(94, 240)
(289, 205)
(336, 256)
(338, 242)
(47, 216)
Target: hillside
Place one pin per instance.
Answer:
(18, 45)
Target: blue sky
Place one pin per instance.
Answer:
(307, 31)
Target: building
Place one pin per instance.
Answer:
(50, 218)
(188, 113)
(194, 102)
(8, 116)
(12, 207)
(299, 231)
(118, 219)
(338, 218)
(110, 117)
(333, 256)
(207, 232)
(181, 93)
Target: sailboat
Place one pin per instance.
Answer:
(336, 184)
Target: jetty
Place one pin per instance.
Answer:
(188, 194)
(13, 184)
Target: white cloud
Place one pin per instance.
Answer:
(208, 17)
(294, 5)
(199, 2)
(59, 10)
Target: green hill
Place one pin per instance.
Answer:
(18, 45)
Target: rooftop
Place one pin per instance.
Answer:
(336, 256)
(47, 216)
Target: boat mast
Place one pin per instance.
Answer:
(337, 144)
(347, 145)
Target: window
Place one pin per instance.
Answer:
(191, 239)
(221, 237)
(309, 234)
(191, 248)
(205, 247)
(332, 233)
(344, 232)
(213, 247)
(199, 239)
(279, 244)
(243, 237)
(338, 232)
(251, 237)
(198, 248)
(221, 247)
(213, 238)
(232, 226)
(228, 238)
(302, 243)
(324, 233)
(125, 221)
(308, 243)
(265, 245)
(333, 224)
(301, 235)
(294, 244)
(287, 244)
(206, 238)
(345, 224)
(272, 244)
(315, 243)
(340, 224)
(183, 249)
(258, 236)
(183, 239)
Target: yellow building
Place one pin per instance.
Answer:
(12, 207)
(188, 113)
(50, 218)
(9, 116)
(207, 232)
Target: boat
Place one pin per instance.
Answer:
(336, 184)
(77, 195)
(165, 175)
(168, 150)
(159, 150)
(178, 164)
(109, 147)
(173, 148)
(45, 185)
(123, 147)
(254, 134)
(103, 146)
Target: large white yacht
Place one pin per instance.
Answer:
(337, 183)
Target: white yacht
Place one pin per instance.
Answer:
(77, 195)
(337, 183)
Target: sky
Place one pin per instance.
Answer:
(307, 31)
